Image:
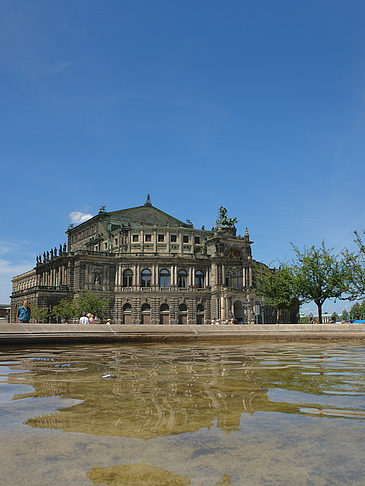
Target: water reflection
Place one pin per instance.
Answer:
(155, 391)
(132, 474)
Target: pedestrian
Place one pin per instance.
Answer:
(109, 321)
(23, 313)
(91, 318)
(83, 319)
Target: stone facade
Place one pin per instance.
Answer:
(154, 269)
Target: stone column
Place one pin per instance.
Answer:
(250, 276)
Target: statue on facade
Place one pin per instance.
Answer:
(44, 257)
(64, 248)
(224, 220)
(47, 256)
(97, 278)
(55, 251)
(37, 259)
(60, 250)
(51, 253)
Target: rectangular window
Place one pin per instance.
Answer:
(197, 240)
(173, 238)
(161, 237)
(185, 239)
(135, 238)
(116, 241)
(147, 237)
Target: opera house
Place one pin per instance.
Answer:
(154, 269)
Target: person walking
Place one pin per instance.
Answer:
(23, 313)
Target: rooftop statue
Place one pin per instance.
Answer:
(224, 220)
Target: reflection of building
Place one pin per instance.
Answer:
(151, 392)
(154, 268)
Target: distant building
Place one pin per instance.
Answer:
(4, 311)
(153, 268)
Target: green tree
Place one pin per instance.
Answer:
(345, 316)
(88, 302)
(334, 316)
(278, 287)
(40, 314)
(356, 265)
(356, 311)
(65, 309)
(319, 274)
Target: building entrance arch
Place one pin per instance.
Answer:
(238, 310)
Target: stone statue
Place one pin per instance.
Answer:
(60, 250)
(36, 260)
(47, 256)
(224, 220)
(97, 278)
(64, 248)
(55, 251)
(148, 201)
(51, 253)
(44, 257)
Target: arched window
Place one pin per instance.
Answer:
(146, 278)
(199, 279)
(183, 314)
(200, 314)
(164, 314)
(146, 314)
(127, 278)
(127, 314)
(182, 278)
(164, 278)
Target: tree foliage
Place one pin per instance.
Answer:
(86, 302)
(40, 314)
(65, 309)
(278, 287)
(356, 269)
(320, 274)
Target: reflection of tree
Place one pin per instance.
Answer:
(152, 394)
(132, 474)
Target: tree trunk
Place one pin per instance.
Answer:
(319, 306)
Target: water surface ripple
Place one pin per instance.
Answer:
(269, 413)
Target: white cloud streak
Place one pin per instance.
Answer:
(77, 217)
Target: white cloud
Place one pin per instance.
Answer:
(77, 217)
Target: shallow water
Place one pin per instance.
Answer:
(255, 414)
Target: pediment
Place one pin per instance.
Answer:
(148, 215)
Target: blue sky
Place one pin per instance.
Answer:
(258, 106)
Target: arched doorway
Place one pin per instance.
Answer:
(164, 314)
(146, 314)
(200, 314)
(183, 314)
(238, 311)
(127, 314)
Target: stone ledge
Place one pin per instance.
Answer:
(13, 333)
